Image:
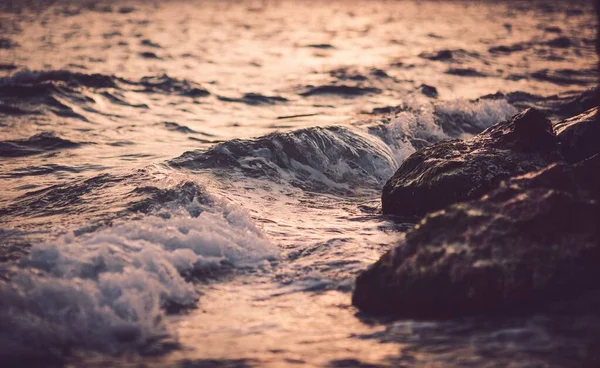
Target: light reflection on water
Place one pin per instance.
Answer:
(272, 67)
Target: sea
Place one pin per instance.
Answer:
(197, 183)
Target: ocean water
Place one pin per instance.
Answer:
(197, 183)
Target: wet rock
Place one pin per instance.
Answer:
(580, 103)
(532, 241)
(560, 106)
(454, 171)
(429, 91)
(579, 136)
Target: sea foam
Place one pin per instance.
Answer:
(107, 291)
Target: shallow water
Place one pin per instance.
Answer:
(197, 183)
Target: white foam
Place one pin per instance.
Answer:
(482, 113)
(420, 122)
(105, 291)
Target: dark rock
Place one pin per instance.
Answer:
(429, 91)
(579, 103)
(563, 105)
(579, 136)
(532, 241)
(453, 171)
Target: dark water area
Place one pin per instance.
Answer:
(198, 183)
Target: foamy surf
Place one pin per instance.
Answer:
(108, 291)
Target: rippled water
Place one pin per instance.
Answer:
(196, 183)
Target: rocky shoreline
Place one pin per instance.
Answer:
(509, 222)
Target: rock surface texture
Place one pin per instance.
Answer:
(578, 136)
(532, 240)
(453, 171)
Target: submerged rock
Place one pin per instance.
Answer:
(429, 91)
(532, 241)
(454, 171)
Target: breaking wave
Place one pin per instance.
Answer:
(108, 291)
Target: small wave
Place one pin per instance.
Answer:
(178, 128)
(354, 74)
(69, 94)
(7, 44)
(508, 49)
(458, 118)
(440, 55)
(72, 79)
(553, 29)
(117, 99)
(254, 99)
(149, 55)
(567, 76)
(563, 105)
(322, 46)
(465, 72)
(126, 9)
(410, 129)
(331, 159)
(341, 90)
(339, 160)
(42, 79)
(7, 67)
(166, 84)
(34, 145)
(40, 170)
(13, 110)
(449, 55)
(560, 42)
(149, 43)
